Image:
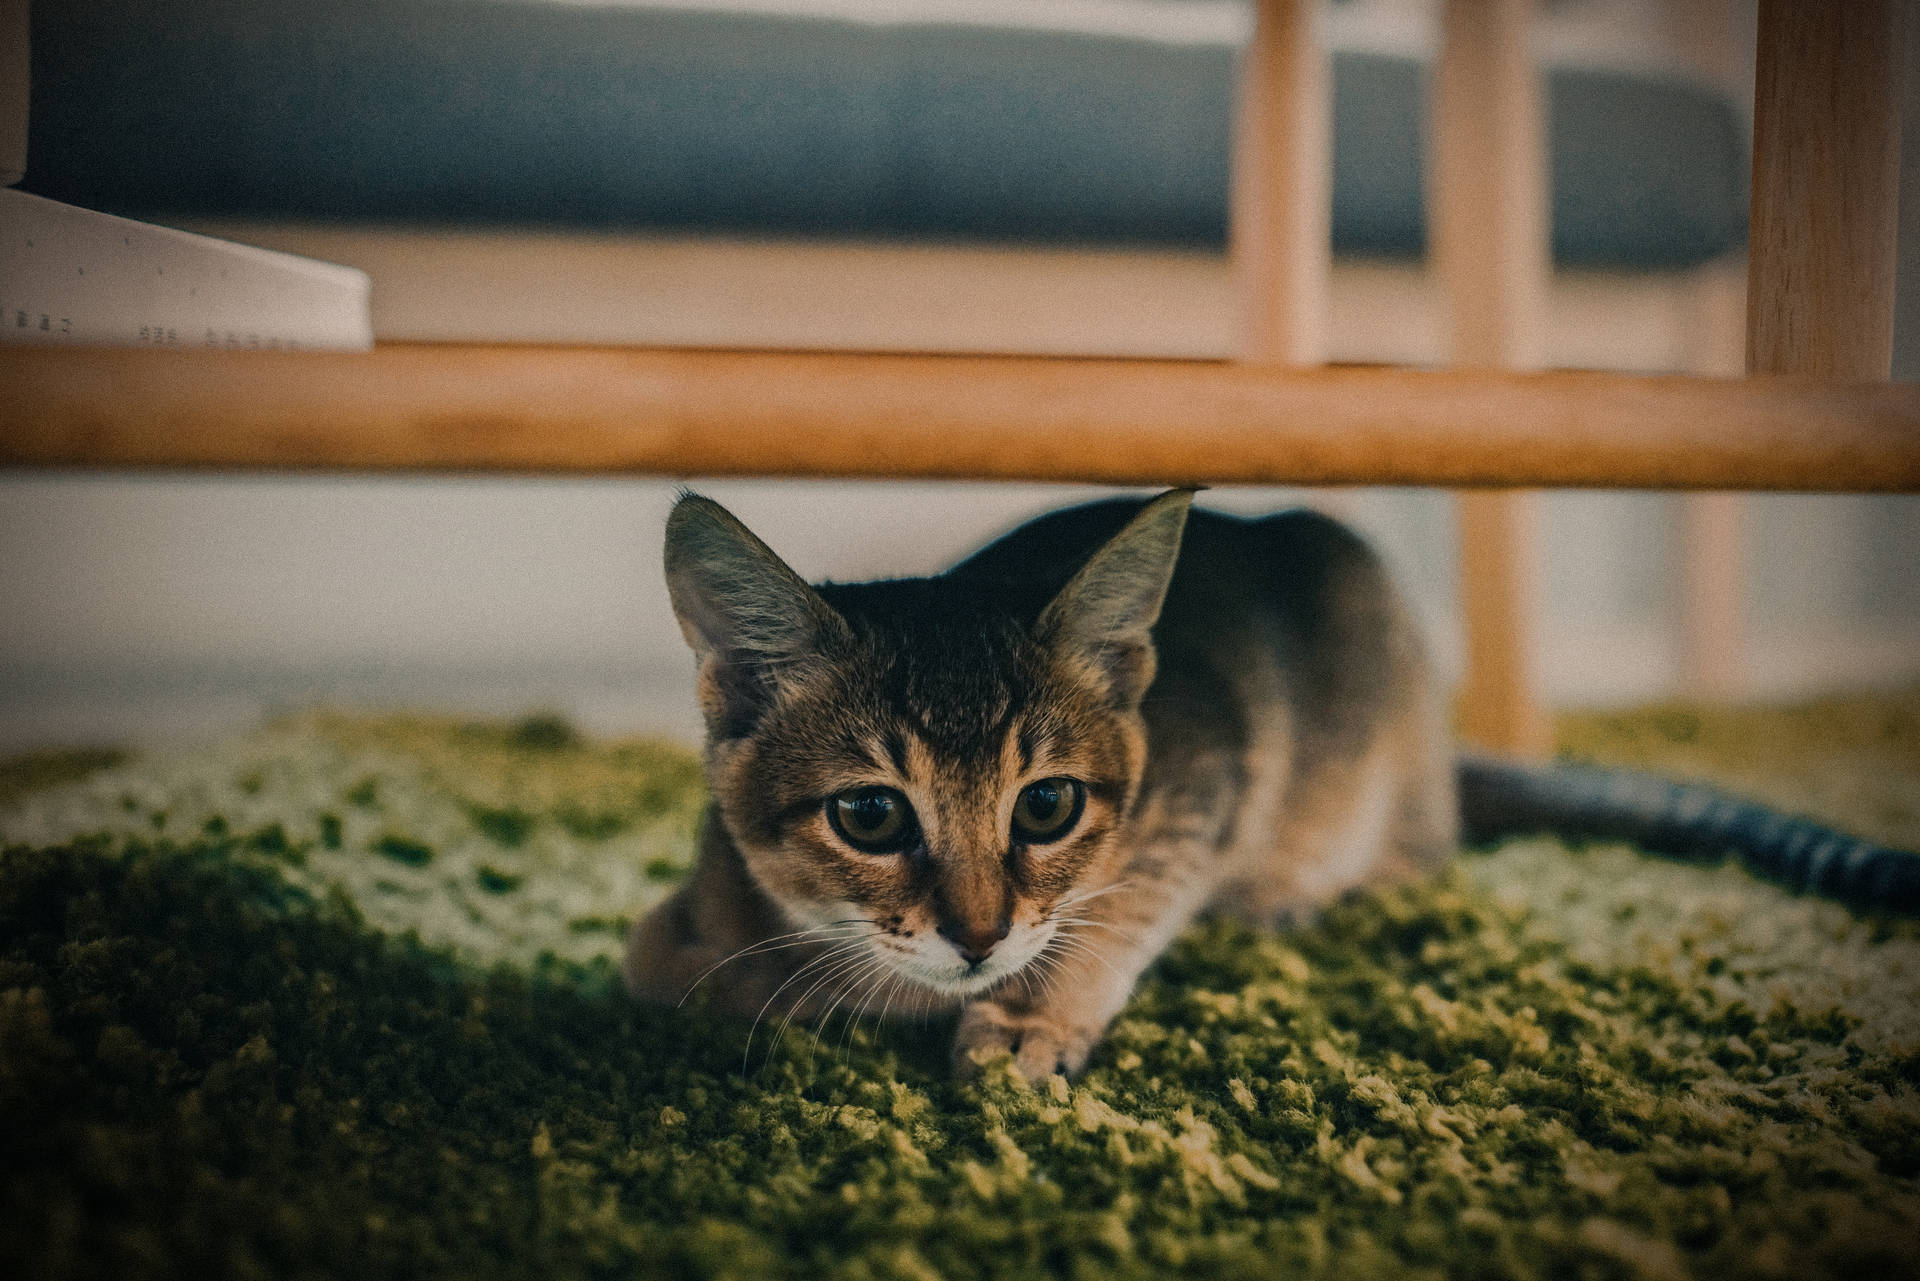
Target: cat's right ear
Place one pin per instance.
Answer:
(739, 605)
(1106, 612)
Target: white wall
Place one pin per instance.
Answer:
(153, 606)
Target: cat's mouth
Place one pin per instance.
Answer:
(971, 980)
(950, 975)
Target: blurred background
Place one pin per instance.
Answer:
(1046, 177)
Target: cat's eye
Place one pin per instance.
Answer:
(1047, 810)
(874, 820)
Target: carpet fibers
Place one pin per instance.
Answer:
(337, 999)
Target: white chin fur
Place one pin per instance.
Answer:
(965, 982)
(949, 976)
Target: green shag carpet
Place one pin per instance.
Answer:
(337, 999)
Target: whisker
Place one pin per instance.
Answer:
(885, 974)
(861, 977)
(825, 1021)
(892, 992)
(826, 976)
(1089, 895)
(831, 973)
(1047, 972)
(1056, 969)
(799, 938)
(1051, 978)
(884, 986)
(1128, 936)
(1076, 946)
(824, 962)
(829, 955)
(874, 987)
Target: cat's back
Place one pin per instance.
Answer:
(1291, 609)
(1297, 569)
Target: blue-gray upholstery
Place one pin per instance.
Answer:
(491, 112)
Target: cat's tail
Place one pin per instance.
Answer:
(1688, 821)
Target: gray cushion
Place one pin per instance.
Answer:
(557, 115)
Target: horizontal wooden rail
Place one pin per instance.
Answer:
(687, 413)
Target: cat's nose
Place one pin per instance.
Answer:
(973, 940)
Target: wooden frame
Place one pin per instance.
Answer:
(675, 413)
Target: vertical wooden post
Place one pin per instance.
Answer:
(1821, 254)
(1712, 578)
(1283, 187)
(1499, 544)
(1826, 188)
(1712, 532)
(1711, 554)
(1488, 237)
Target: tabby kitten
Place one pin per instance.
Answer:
(1007, 787)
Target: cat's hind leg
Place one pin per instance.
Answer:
(1425, 826)
(1384, 816)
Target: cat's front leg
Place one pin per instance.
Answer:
(1041, 1040)
(1052, 1013)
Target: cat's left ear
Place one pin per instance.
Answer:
(1107, 610)
(739, 605)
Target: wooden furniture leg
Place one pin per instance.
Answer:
(1822, 256)
(1712, 612)
(1282, 227)
(1826, 188)
(1711, 534)
(1712, 525)
(1489, 242)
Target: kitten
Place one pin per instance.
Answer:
(1006, 788)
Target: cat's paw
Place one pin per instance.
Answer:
(1041, 1045)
